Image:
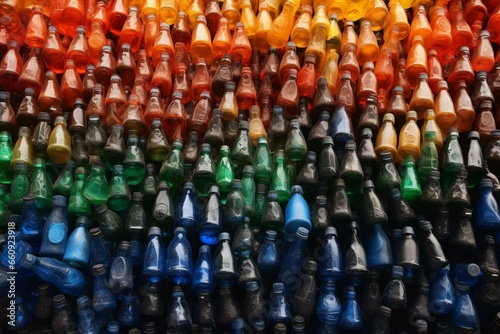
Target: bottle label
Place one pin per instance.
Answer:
(57, 233)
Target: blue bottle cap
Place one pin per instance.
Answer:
(271, 235)
(59, 200)
(278, 287)
(236, 184)
(124, 245)
(296, 189)
(252, 286)
(154, 230)
(180, 229)
(330, 230)
(113, 326)
(189, 186)
(224, 236)
(238, 323)
(177, 291)
(204, 249)
(272, 195)
(82, 220)
(407, 230)
(485, 183)
(259, 325)
(397, 271)
(302, 233)
(28, 260)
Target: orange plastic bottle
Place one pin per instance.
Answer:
(184, 5)
(151, 32)
(430, 125)
(132, 31)
(97, 104)
(349, 62)
(483, 58)
(240, 45)
(367, 44)
(246, 95)
(435, 71)
(140, 90)
(133, 118)
(53, 53)
(10, 68)
(96, 41)
(163, 43)
(444, 108)
(182, 84)
(162, 77)
(331, 70)
(32, 74)
(201, 42)
(398, 106)
(273, 6)
(73, 16)
(387, 137)
(105, 67)
(400, 78)
(154, 108)
(475, 10)
(181, 32)
(256, 128)
(416, 62)
(289, 60)
(420, 26)
(282, 26)
(494, 24)
(349, 36)
(150, 7)
(397, 18)
(71, 85)
(169, 11)
(228, 103)
(175, 117)
(301, 31)
(202, 81)
(222, 39)
(201, 114)
(422, 98)
(231, 11)
(409, 138)
(79, 50)
(306, 77)
(384, 70)
(115, 97)
(288, 96)
(263, 25)
(377, 14)
(36, 31)
(461, 32)
(144, 67)
(248, 19)
(485, 122)
(213, 15)
(463, 108)
(125, 66)
(461, 68)
(14, 27)
(50, 94)
(100, 15)
(367, 84)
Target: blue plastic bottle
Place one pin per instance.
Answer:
(179, 316)
(203, 271)
(467, 273)
(179, 264)
(211, 218)
(99, 249)
(136, 253)
(187, 212)
(87, 322)
(55, 230)
(464, 314)
(120, 273)
(355, 260)
(486, 215)
(103, 300)
(225, 264)
(297, 212)
(328, 306)
(330, 261)
(128, 312)
(378, 248)
(269, 259)
(78, 249)
(441, 293)
(350, 318)
(21, 248)
(67, 279)
(31, 227)
(292, 262)
(153, 267)
(280, 310)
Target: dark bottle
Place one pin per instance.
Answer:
(340, 207)
(394, 295)
(64, 183)
(419, 308)
(378, 246)
(318, 131)
(119, 191)
(120, 275)
(99, 250)
(134, 164)
(295, 146)
(110, 223)
(234, 214)
(401, 213)
(157, 144)
(432, 198)
(465, 315)
(304, 298)
(248, 270)
(328, 166)
(113, 152)
(211, 218)
(351, 318)
(330, 264)
(204, 172)
(408, 255)
(292, 261)
(320, 218)
(191, 153)
(457, 196)
(243, 239)
(41, 135)
(128, 312)
(187, 212)
(272, 216)
(374, 211)
(371, 298)
(268, 259)
(366, 150)
(441, 293)
(63, 317)
(474, 160)
(87, 322)
(350, 169)
(203, 314)
(152, 304)
(163, 210)
(95, 137)
(214, 134)
(136, 223)
(43, 310)
(225, 265)
(341, 127)
(308, 176)
(462, 236)
(254, 303)
(227, 307)
(280, 309)
(436, 259)
(381, 324)
(172, 168)
(277, 130)
(103, 300)
(355, 260)
(487, 257)
(369, 116)
(387, 176)
(242, 153)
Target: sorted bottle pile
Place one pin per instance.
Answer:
(197, 166)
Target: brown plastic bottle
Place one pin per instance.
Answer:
(485, 122)
(222, 75)
(79, 50)
(240, 45)
(463, 108)
(125, 66)
(435, 71)
(201, 80)
(367, 84)
(27, 113)
(162, 77)
(483, 58)
(118, 13)
(116, 95)
(265, 111)
(271, 68)
(289, 60)
(88, 83)
(422, 98)
(78, 121)
(133, 119)
(288, 96)
(461, 68)
(246, 95)
(400, 78)
(8, 120)
(96, 105)
(369, 117)
(221, 43)
(398, 106)
(345, 91)
(201, 114)
(32, 74)
(50, 94)
(349, 62)
(144, 67)
(154, 108)
(182, 84)
(140, 90)
(175, 117)
(387, 137)
(181, 32)
(71, 85)
(105, 67)
(10, 68)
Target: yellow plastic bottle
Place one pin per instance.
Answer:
(301, 32)
(338, 7)
(256, 127)
(331, 70)
(23, 149)
(273, 6)
(387, 137)
(195, 9)
(317, 47)
(409, 138)
(263, 25)
(169, 11)
(356, 9)
(248, 18)
(334, 39)
(231, 11)
(319, 19)
(367, 44)
(282, 26)
(431, 125)
(184, 5)
(59, 148)
(377, 14)
(397, 18)
(444, 108)
(150, 7)
(201, 42)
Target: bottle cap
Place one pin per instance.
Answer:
(216, 113)
(243, 125)
(302, 233)
(346, 76)
(28, 261)
(488, 240)
(421, 325)
(230, 85)
(310, 266)
(98, 269)
(464, 49)
(125, 245)
(432, 53)
(368, 65)
(214, 190)
(252, 286)
(411, 114)
(117, 169)
(327, 140)
(485, 183)
(53, 28)
(59, 200)
(154, 230)
(481, 75)
(368, 184)
(442, 85)
(115, 77)
(278, 287)
(224, 236)
(28, 198)
(206, 148)
(81, 30)
(137, 196)
(397, 271)
(59, 300)
(425, 226)
(296, 189)
(204, 249)
(330, 230)
(407, 230)
(310, 58)
(389, 118)
(95, 231)
(177, 95)
(321, 200)
(435, 174)
(486, 104)
(339, 182)
(386, 156)
(366, 133)
(473, 270)
(180, 229)
(385, 311)
(44, 117)
(311, 156)
(83, 220)
(277, 110)
(261, 188)
(189, 186)
(473, 135)
(484, 33)
(294, 123)
(350, 144)
(495, 133)
(272, 196)
(423, 76)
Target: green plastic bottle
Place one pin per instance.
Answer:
(350, 169)
(279, 181)
(6, 172)
(172, 169)
(41, 185)
(204, 172)
(64, 182)
(262, 162)
(452, 160)
(148, 189)
(410, 184)
(113, 152)
(234, 211)
(429, 158)
(77, 204)
(248, 190)
(242, 154)
(95, 190)
(136, 225)
(20, 187)
(134, 165)
(119, 192)
(387, 176)
(296, 146)
(224, 175)
(157, 144)
(260, 203)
